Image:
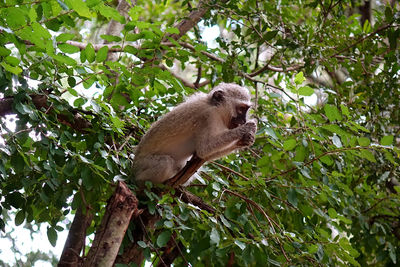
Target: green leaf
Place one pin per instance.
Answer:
(15, 70)
(270, 35)
(72, 82)
(40, 31)
(306, 91)
(163, 238)
(67, 48)
(363, 141)
(15, 17)
(19, 217)
(367, 155)
(110, 38)
(142, 244)
(15, 199)
(135, 12)
(332, 112)
(112, 13)
(240, 244)
(52, 236)
(4, 51)
(13, 61)
(387, 140)
(80, 7)
(327, 160)
(345, 110)
(102, 54)
(172, 30)
(313, 248)
(90, 53)
(332, 213)
(63, 37)
(214, 237)
(299, 78)
(79, 102)
(289, 144)
(65, 59)
(292, 197)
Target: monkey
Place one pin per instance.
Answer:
(207, 125)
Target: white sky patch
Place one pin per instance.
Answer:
(209, 35)
(25, 244)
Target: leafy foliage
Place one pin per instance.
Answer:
(321, 184)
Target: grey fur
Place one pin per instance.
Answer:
(194, 126)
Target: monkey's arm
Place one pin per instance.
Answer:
(246, 141)
(209, 146)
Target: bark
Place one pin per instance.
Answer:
(183, 175)
(119, 211)
(188, 197)
(134, 253)
(115, 28)
(365, 11)
(75, 240)
(191, 20)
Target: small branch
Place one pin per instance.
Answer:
(230, 170)
(196, 83)
(374, 205)
(270, 221)
(172, 250)
(318, 157)
(382, 28)
(189, 198)
(184, 81)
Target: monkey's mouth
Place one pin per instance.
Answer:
(235, 122)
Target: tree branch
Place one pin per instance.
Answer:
(186, 172)
(191, 20)
(75, 240)
(183, 80)
(77, 122)
(120, 208)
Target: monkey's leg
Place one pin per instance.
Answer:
(156, 168)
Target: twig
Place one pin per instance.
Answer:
(270, 220)
(230, 170)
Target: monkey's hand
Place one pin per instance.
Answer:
(248, 136)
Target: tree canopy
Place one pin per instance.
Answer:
(83, 80)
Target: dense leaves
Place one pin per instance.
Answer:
(319, 187)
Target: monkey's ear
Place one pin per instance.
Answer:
(217, 98)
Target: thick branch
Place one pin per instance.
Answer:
(183, 175)
(191, 20)
(75, 240)
(115, 28)
(108, 238)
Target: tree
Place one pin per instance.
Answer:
(319, 187)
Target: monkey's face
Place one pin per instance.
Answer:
(233, 102)
(240, 116)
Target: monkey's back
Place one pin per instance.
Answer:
(174, 132)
